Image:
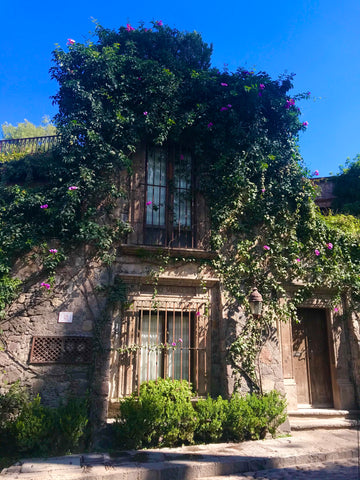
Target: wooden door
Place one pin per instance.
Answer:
(311, 358)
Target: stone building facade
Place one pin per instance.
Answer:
(159, 310)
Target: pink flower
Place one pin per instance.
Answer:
(53, 250)
(224, 84)
(298, 260)
(336, 309)
(46, 285)
(148, 203)
(210, 124)
(305, 124)
(263, 190)
(308, 94)
(329, 246)
(173, 344)
(70, 41)
(316, 173)
(266, 247)
(145, 113)
(230, 106)
(159, 23)
(317, 253)
(44, 206)
(198, 314)
(180, 340)
(290, 103)
(73, 188)
(261, 86)
(129, 28)
(222, 109)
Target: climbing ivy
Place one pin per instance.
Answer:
(156, 86)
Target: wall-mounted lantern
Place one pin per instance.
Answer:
(255, 302)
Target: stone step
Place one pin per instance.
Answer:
(312, 418)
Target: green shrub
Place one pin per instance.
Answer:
(161, 415)
(29, 428)
(252, 416)
(211, 416)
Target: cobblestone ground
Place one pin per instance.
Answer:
(340, 470)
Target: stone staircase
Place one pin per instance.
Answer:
(315, 418)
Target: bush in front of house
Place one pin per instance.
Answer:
(29, 428)
(163, 415)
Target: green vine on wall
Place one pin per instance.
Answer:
(156, 86)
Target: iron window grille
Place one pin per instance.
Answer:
(169, 202)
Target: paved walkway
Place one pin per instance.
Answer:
(315, 455)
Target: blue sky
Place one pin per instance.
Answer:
(318, 40)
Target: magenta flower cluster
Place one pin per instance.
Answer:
(290, 103)
(73, 187)
(45, 206)
(46, 285)
(129, 28)
(266, 247)
(53, 250)
(70, 41)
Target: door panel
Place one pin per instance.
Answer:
(311, 358)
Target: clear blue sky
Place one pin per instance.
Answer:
(318, 40)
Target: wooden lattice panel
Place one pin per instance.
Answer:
(61, 350)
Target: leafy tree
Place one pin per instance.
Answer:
(347, 188)
(27, 129)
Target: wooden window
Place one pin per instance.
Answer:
(145, 338)
(61, 350)
(169, 198)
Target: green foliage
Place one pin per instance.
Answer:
(29, 428)
(251, 417)
(28, 129)
(211, 415)
(347, 188)
(161, 415)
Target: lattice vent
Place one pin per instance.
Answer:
(61, 350)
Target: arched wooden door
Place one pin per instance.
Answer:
(311, 359)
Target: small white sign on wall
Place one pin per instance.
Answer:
(65, 317)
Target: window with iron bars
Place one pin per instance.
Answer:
(168, 343)
(169, 208)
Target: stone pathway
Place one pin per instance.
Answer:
(348, 469)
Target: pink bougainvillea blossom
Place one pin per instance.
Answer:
(336, 309)
(73, 187)
(266, 247)
(329, 246)
(290, 103)
(148, 203)
(229, 105)
(223, 109)
(70, 41)
(210, 124)
(53, 250)
(316, 173)
(145, 113)
(44, 206)
(180, 340)
(129, 28)
(173, 344)
(316, 251)
(261, 86)
(46, 285)
(159, 23)
(305, 124)
(224, 84)
(198, 314)
(263, 190)
(298, 260)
